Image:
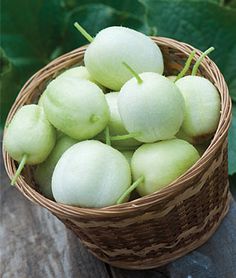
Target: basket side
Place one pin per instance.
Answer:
(165, 231)
(155, 229)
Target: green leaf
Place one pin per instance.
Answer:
(126, 6)
(232, 143)
(30, 32)
(201, 24)
(230, 3)
(94, 17)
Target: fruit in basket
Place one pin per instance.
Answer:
(128, 155)
(171, 77)
(41, 99)
(43, 172)
(90, 174)
(115, 124)
(76, 107)
(151, 107)
(161, 163)
(202, 111)
(103, 57)
(29, 137)
(79, 72)
(202, 106)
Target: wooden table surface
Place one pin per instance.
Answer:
(36, 244)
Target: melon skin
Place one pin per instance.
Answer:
(114, 45)
(202, 109)
(115, 124)
(79, 72)
(90, 174)
(161, 163)
(77, 108)
(43, 172)
(29, 133)
(154, 108)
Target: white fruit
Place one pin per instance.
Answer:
(43, 172)
(90, 174)
(113, 45)
(76, 107)
(30, 133)
(115, 124)
(79, 72)
(202, 108)
(161, 163)
(153, 108)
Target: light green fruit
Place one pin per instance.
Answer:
(80, 72)
(161, 163)
(29, 133)
(172, 77)
(202, 108)
(76, 107)
(113, 45)
(128, 155)
(43, 172)
(41, 99)
(90, 174)
(40, 103)
(115, 124)
(153, 107)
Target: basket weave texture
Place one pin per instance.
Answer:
(153, 230)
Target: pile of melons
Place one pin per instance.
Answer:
(115, 125)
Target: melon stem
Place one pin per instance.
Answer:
(130, 189)
(133, 72)
(199, 60)
(83, 31)
(124, 137)
(19, 169)
(186, 66)
(107, 136)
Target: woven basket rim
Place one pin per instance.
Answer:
(150, 199)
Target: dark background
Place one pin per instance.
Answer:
(33, 32)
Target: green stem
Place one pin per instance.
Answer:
(134, 73)
(107, 136)
(186, 66)
(199, 60)
(124, 137)
(130, 189)
(83, 32)
(19, 169)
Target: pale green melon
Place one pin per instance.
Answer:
(114, 45)
(171, 77)
(76, 107)
(115, 124)
(29, 133)
(153, 108)
(202, 108)
(79, 72)
(128, 155)
(43, 172)
(90, 174)
(161, 163)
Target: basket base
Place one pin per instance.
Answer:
(165, 259)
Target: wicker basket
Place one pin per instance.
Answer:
(150, 231)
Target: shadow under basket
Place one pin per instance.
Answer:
(153, 230)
